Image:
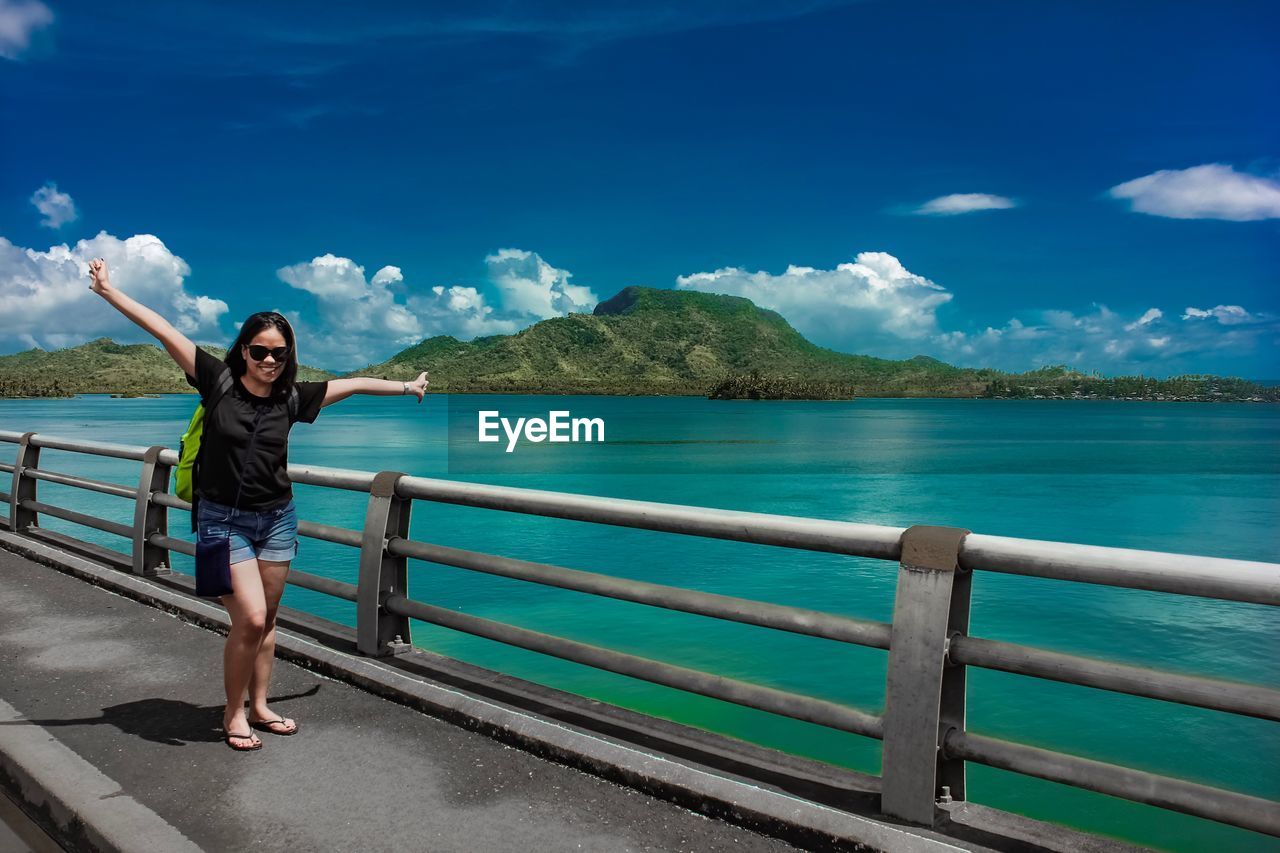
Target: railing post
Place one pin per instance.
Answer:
(150, 517)
(379, 633)
(24, 488)
(924, 696)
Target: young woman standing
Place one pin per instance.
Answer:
(242, 490)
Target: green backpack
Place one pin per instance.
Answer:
(189, 448)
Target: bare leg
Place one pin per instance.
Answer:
(273, 577)
(248, 610)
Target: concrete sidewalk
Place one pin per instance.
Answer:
(118, 705)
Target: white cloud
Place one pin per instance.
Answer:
(461, 312)
(877, 307)
(956, 203)
(1150, 316)
(18, 20)
(57, 207)
(1102, 339)
(1227, 315)
(533, 288)
(363, 321)
(1211, 191)
(45, 299)
(359, 318)
(872, 305)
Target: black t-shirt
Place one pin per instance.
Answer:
(226, 438)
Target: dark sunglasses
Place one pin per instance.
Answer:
(258, 352)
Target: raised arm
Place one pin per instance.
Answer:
(175, 343)
(341, 389)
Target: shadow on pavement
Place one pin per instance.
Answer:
(165, 721)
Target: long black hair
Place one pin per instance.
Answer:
(256, 323)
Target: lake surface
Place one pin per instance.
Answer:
(1190, 478)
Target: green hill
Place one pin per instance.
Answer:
(648, 341)
(641, 341)
(100, 367)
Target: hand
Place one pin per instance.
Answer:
(418, 387)
(100, 276)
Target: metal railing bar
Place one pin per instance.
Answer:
(1183, 574)
(1190, 798)
(794, 619)
(6, 467)
(779, 702)
(124, 530)
(13, 437)
(314, 530)
(81, 483)
(296, 577)
(337, 478)
(171, 501)
(96, 448)
(811, 534)
(5, 497)
(329, 586)
(182, 546)
(1233, 697)
(329, 533)
(1235, 580)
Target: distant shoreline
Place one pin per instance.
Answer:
(114, 395)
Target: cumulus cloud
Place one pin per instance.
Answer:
(1151, 315)
(956, 203)
(365, 320)
(359, 316)
(1227, 315)
(45, 299)
(461, 312)
(1211, 191)
(18, 20)
(876, 306)
(533, 288)
(57, 207)
(1105, 340)
(872, 305)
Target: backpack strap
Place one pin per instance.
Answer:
(220, 390)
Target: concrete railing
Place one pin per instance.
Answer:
(926, 745)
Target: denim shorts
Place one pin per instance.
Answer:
(270, 535)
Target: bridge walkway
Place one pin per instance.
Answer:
(123, 702)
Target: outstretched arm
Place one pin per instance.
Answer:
(341, 389)
(175, 343)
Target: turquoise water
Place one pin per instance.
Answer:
(1192, 478)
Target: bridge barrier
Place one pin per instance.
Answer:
(926, 745)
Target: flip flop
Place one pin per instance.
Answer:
(265, 726)
(227, 736)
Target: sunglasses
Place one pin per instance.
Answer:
(258, 352)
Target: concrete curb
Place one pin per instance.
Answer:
(72, 800)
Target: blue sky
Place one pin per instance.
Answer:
(1007, 184)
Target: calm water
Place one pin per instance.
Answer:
(1194, 478)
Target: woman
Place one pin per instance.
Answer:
(242, 489)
